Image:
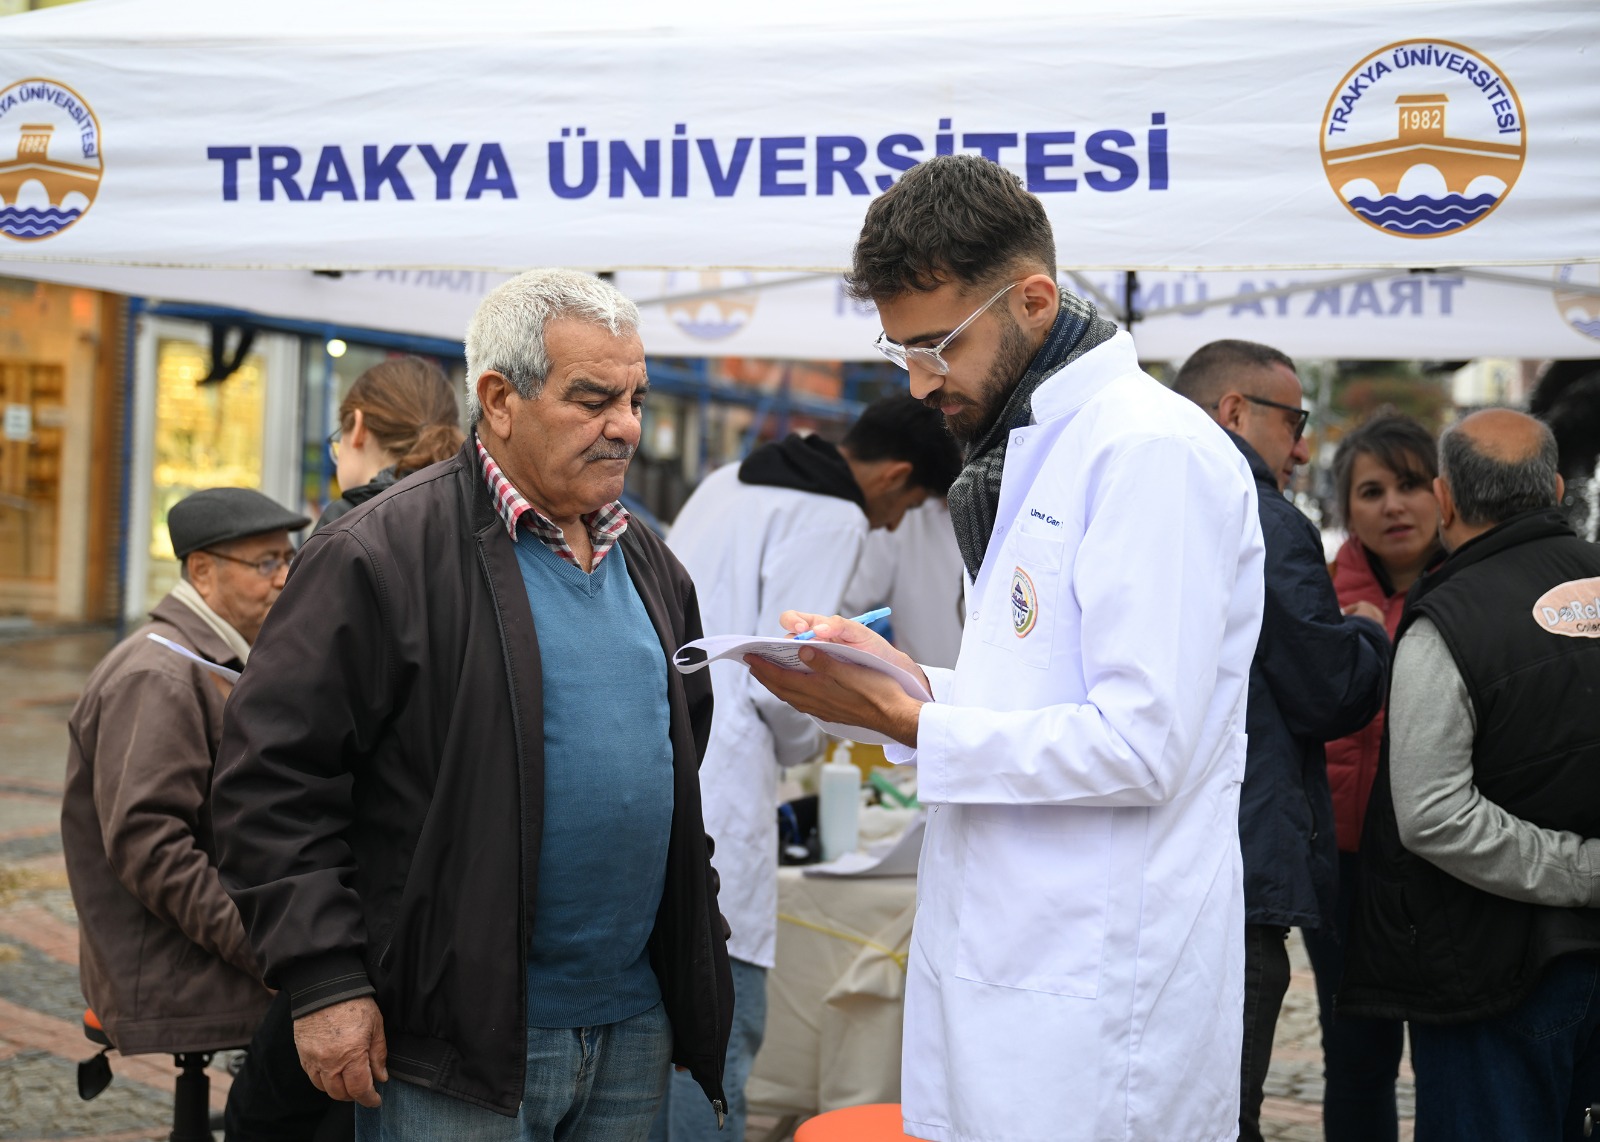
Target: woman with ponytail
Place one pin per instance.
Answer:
(399, 416)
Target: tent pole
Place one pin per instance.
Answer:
(1268, 294)
(1130, 292)
(1104, 300)
(136, 307)
(1547, 284)
(722, 291)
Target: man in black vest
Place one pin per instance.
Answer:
(1477, 919)
(1316, 675)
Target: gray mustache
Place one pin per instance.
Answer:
(609, 451)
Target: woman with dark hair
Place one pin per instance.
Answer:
(399, 416)
(1383, 472)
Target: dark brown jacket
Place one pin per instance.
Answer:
(380, 790)
(163, 958)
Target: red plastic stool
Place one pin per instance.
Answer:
(876, 1122)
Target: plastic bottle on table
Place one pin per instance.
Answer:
(838, 804)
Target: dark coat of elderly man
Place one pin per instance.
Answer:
(135, 826)
(458, 789)
(165, 963)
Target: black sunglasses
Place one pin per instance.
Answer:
(1301, 415)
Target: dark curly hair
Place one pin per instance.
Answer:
(900, 427)
(952, 218)
(1398, 442)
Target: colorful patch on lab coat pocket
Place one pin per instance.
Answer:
(1013, 608)
(1024, 603)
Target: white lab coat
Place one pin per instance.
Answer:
(1077, 967)
(915, 569)
(754, 552)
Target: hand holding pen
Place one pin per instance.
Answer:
(865, 620)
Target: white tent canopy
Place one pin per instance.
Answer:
(369, 134)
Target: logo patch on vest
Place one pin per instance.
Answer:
(1024, 604)
(1571, 609)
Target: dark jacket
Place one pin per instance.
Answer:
(355, 497)
(164, 961)
(380, 789)
(1424, 945)
(805, 464)
(1317, 674)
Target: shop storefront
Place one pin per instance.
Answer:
(61, 352)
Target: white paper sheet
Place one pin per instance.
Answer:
(785, 652)
(892, 856)
(220, 671)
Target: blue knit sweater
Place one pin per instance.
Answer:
(607, 792)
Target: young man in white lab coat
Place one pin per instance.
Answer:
(1076, 970)
(787, 524)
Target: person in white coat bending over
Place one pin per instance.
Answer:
(1077, 965)
(786, 525)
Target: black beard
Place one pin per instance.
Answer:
(976, 417)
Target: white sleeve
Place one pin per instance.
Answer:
(1172, 540)
(1442, 816)
(940, 680)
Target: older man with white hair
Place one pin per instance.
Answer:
(457, 796)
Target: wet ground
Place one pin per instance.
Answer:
(41, 1037)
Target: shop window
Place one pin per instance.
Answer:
(32, 396)
(206, 436)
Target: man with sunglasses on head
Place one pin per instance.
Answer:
(1317, 676)
(165, 964)
(1077, 963)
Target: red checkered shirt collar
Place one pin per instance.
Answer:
(605, 526)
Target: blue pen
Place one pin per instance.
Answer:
(864, 620)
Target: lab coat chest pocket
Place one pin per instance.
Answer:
(1034, 898)
(1024, 595)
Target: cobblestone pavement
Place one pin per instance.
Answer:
(41, 1039)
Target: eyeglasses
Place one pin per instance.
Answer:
(1301, 415)
(333, 444)
(932, 359)
(267, 566)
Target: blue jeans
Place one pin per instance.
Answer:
(584, 1084)
(1360, 1057)
(686, 1114)
(1527, 1074)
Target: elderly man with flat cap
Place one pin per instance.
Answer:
(164, 961)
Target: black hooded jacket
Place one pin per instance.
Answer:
(806, 464)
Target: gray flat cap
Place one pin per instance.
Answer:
(216, 515)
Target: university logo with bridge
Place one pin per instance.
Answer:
(1423, 138)
(713, 304)
(50, 164)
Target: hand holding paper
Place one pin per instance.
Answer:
(854, 683)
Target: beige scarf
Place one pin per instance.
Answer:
(185, 593)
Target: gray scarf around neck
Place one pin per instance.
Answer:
(975, 495)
